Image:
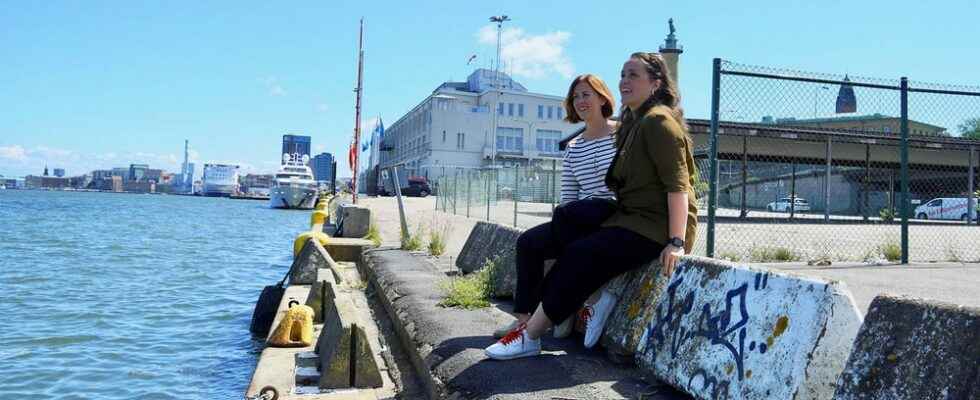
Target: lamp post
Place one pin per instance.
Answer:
(499, 19)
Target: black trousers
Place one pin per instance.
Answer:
(586, 258)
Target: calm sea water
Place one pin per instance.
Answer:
(123, 296)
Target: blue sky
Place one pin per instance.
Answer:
(100, 84)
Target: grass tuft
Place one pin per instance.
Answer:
(413, 242)
(891, 251)
(772, 254)
(374, 234)
(470, 291)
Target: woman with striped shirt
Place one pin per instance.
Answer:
(586, 160)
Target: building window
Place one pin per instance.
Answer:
(500, 108)
(540, 111)
(510, 109)
(510, 139)
(460, 140)
(547, 141)
(551, 112)
(520, 110)
(444, 136)
(561, 113)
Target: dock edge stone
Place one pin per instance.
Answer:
(720, 330)
(912, 348)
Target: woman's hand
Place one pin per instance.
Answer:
(669, 257)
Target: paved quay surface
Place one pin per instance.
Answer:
(954, 282)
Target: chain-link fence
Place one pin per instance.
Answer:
(520, 195)
(806, 166)
(811, 167)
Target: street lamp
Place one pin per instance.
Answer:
(499, 19)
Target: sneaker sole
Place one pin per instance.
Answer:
(513, 356)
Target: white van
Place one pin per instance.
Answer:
(945, 208)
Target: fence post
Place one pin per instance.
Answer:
(554, 184)
(468, 180)
(744, 211)
(517, 186)
(486, 178)
(971, 208)
(905, 169)
(455, 183)
(713, 156)
(826, 182)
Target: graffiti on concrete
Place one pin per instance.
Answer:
(678, 320)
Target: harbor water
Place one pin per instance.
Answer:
(125, 296)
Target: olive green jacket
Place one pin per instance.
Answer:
(654, 157)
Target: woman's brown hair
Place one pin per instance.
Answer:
(667, 94)
(599, 87)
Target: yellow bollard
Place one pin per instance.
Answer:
(321, 206)
(301, 240)
(319, 217)
(295, 329)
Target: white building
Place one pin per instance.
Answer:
(454, 128)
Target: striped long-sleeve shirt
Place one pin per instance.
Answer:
(584, 168)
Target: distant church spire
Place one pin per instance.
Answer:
(846, 102)
(45, 170)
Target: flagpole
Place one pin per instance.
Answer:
(357, 110)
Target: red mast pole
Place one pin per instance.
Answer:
(357, 109)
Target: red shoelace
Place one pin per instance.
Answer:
(517, 333)
(585, 314)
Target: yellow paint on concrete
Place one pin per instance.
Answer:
(781, 325)
(323, 238)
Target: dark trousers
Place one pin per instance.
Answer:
(586, 258)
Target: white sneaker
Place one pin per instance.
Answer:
(564, 329)
(595, 317)
(515, 344)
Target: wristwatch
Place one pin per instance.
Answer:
(676, 242)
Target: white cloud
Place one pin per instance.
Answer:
(274, 86)
(14, 153)
(531, 56)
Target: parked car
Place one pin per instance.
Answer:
(783, 205)
(944, 208)
(416, 186)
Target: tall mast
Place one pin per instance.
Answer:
(357, 109)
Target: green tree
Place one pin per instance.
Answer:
(970, 129)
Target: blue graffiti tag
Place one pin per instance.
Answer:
(667, 327)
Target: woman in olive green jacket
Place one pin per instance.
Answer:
(652, 175)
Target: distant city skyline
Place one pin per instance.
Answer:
(107, 84)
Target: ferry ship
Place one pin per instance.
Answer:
(220, 180)
(293, 186)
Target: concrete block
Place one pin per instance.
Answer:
(345, 353)
(307, 359)
(636, 292)
(476, 250)
(307, 376)
(356, 220)
(347, 249)
(334, 343)
(503, 249)
(914, 349)
(366, 372)
(305, 264)
(725, 331)
(319, 298)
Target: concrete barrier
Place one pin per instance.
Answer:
(356, 220)
(914, 349)
(312, 257)
(477, 248)
(724, 331)
(636, 292)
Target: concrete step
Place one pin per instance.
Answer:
(307, 359)
(307, 376)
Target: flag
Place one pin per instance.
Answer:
(379, 128)
(352, 155)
